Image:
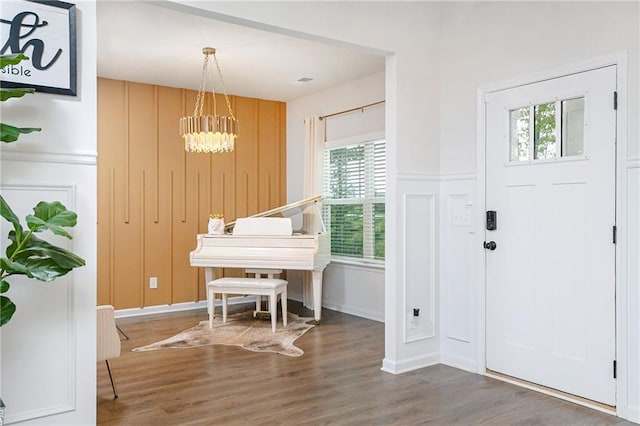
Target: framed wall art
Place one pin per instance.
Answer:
(45, 31)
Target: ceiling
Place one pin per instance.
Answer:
(148, 43)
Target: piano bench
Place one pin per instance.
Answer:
(262, 273)
(271, 287)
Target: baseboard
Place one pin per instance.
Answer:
(459, 363)
(633, 414)
(410, 364)
(362, 313)
(176, 307)
(345, 309)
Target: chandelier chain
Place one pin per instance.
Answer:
(200, 99)
(224, 89)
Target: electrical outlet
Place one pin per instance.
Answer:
(153, 282)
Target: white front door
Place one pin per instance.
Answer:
(550, 278)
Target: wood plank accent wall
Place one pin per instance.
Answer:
(153, 197)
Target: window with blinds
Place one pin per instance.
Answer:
(354, 190)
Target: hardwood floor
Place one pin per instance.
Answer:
(336, 382)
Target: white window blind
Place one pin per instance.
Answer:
(354, 191)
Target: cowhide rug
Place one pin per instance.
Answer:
(243, 330)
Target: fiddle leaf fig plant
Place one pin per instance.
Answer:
(27, 254)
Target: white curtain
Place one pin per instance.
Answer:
(313, 152)
(314, 135)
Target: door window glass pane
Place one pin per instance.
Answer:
(519, 134)
(544, 130)
(558, 130)
(573, 127)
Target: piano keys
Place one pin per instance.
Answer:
(305, 249)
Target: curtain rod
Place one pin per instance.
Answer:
(322, 117)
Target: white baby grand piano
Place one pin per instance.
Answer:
(306, 249)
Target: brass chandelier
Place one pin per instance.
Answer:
(209, 132)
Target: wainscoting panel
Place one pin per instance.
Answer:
(458, 250)
(419, 265)
(457, 239)
(413, 284)
(42, 327)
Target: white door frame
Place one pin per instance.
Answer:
(620, 60)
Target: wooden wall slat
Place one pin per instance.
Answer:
(153, 198)
(269, 154)
(282, 146)
(247, 158)
(111, 124)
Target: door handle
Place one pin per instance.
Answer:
(491, 245)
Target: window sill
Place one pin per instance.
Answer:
(374, 264)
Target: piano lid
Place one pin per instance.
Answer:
(293, 209)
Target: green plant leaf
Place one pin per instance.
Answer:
(10, 133)
(4, 286)
(15, 93)
(10, 216)
(43, 269)
(53, 216)
(11, 248)
(13, 268)
(37, 248)
(13, 59)
(63, 257)
(39, 268)
(7, 309)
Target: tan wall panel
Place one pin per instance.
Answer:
(127, 249)
(112, 125)
(185, 277)
(143, 136)
(247, 158)
(127, 238)
(154, 198)
(269, 154)
(169, 155)
(222, 178)
(199, 201)
(282, 137)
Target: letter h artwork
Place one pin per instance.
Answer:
(47, 37)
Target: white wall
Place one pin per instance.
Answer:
(483, 43)
(357, 290)
(353, 94)
(48, 361)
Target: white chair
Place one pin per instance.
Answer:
(108, 339)
(271, 287)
